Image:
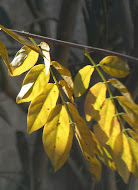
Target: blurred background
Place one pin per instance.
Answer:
(109, 24)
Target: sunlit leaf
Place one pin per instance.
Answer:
(130, 108)
(122, 156)
(132, 121)
(4, 55)
(103, 128)
(20, 39)
(115, 66)
(94, 100)
(67, 90)
(82, 80)
(122, 88)
(46, 51)
(23, 61)
(134, 150)
(133, 134)
(41, 107)
(33, 84)
(57, 136)
(82, 132)
(64, 72)
(95, 167)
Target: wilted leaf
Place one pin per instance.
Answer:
(133, 134)
(122, 156)
(122, 88)
(82, 132)
(67, 90)
(33, 84)
(57, 136)
(103, 128)
(41, 107)
(23, 61)
(134, 150)
(4, 55)
(82, 80)
(21, 39)
(133, 122)
(115, 66)
(64, 72)
(130, 108)
(94, 100)
(46, 51)
(95, 167)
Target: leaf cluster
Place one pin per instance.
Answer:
(108, 140)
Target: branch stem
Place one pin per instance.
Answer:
(77, 46)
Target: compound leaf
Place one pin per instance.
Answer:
(122, 156)
(122, 88)
(103, 128)
(33, 84)
(82, 132)
(82, 80)
(20, 39)
(23, 61)
(41, 107)
(57, 136)
(64, 72)
(94, 100)
(46, 51)
(115, 66)
(4, 55)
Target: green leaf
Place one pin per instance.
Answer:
(94, 100)
(21, 39)
(130, 108)
(82, 80)
(4, 55)
(23, 61)
(122, 88)
(67, 90)
(82, 132)
(46, 51)
(122, 156)
(33, 84)
(64, 72)
(57, 136)
(41, 107)
(115, 66)
(103, 128)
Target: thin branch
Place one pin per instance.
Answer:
(77, 46)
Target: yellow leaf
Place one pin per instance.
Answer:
(33, 84)
(95, 167)
(122, 156)
(20, 39)
(41, 107)
(122, 88)
(4, 55)
(82, 80)
(64, 72)
(82, 132)
(65, 154)
(115, 66)
(133, 134)
(94, 100)
(134, 149)
(130, 108)
(23, 61)
(57, 136)
(67, 90)
(132, 121)
(103, 128)
(46, 51)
